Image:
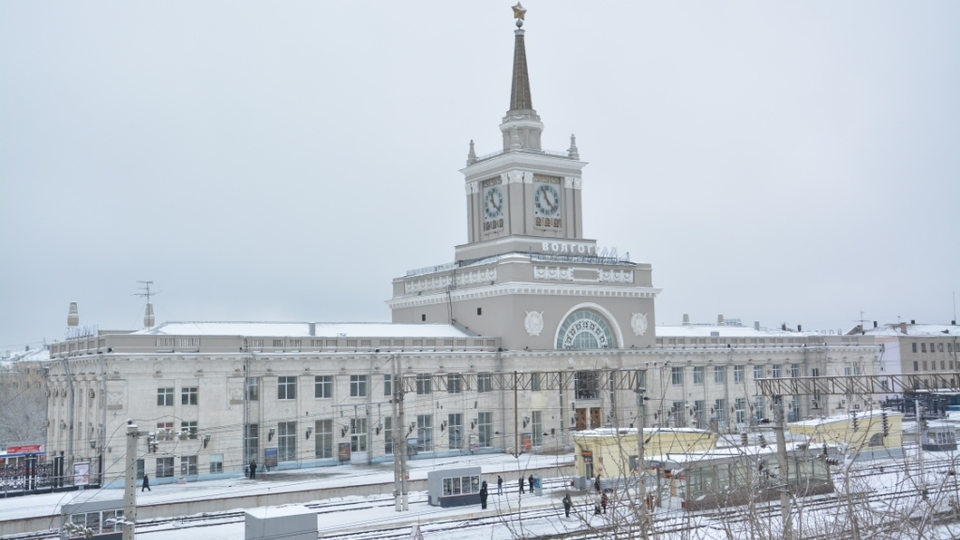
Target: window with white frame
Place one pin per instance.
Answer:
(358, 386)
(323, 386)
(484, 382)
(719, 374)
(189, 395)
(737, 374)
(165, 397)
(286, 388)
(424, 384)
(287, 441)
(536, 426)
(454, 383)
(216, 463)
(676, 375)
(485, 429)
(535, 382)
(323, 443)
(358, 434)
(425, 432)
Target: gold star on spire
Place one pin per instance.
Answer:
(519, 11)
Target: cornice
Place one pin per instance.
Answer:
(522, 288)
(527, 159)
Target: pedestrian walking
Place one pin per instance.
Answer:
(521, 485)
(146, 483)
(596, 484)
(483, 495)
(253, 469)
(531, 483)
(603, 502)
(499, 485)
(567, 503)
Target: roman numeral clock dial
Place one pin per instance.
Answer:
(547, 202)
(493, 206)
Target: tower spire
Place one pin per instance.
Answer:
(521, 126)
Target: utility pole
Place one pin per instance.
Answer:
(130, 484)
(516, 419)
(641, 470)
(784, 464)
(399, 440)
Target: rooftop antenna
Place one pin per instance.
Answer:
(148, 319)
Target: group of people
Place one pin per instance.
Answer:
(484, 493)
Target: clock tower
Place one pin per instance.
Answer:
(526, 273)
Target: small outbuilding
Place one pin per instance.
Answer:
(454, 487)
(293, 522)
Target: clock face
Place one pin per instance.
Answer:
(493, 203)
(546, 200)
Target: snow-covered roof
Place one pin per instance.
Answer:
(707, 330)
(612, 432)
(33, 355)
(844, 418)
(915, 330)
(302, 329)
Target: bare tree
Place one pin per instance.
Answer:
(23, 404)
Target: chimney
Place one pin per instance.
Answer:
(799, 328)
(73, 318)
(720, 319)
(874, 324)
(913, 321)
(686, 319)
(903, 328)
(756, 325)
(313, 329)
(953, 322)
(783, 327)
(149, 321)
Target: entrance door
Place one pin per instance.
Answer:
(581, 419)
(595, 418)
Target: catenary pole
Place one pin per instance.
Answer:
(130, 484)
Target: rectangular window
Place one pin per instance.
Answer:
(720, 410)
(165, 397)
(454, 383)
(287, 441)
(536, 426)
(188, 395)
(358, 434)
(278, 343)
(676, 375)
(759, 405)
(216, 463)
(323, 387)
(737, 373)
(323, 443)
(253, 389)
(587, 385)
(485, 429)
(295, 343)
(535, 382)
(256, 343)
(286, 388)
(455, 431)
(794, 370)
(914, 346)
(164, 431)
(252, 440)
(698, 408)
(358, 387)
(916, 366)
(424, 384)
(719, 374)
(923, 347)
(141, 466)
(924, 365)
(164, 467)
(846, 370)
(698, 375)
(932, 348)
(388, 435)
(757, 372)
(740, 405)
(484, 382)
(939, 347)
(188, 465)
(425, 433)
(189, 429)
(388, 385)
(777, 371)
(677, 413)
(366, 343)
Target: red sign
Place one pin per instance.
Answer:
(25, 449)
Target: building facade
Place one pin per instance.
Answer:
(531, 333)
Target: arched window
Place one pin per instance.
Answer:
(585, 329)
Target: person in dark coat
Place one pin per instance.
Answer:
(567, 503)
(603, 502)
(596, 484)
(146, 483)
(521, 485)
(253, 469)
(483, 496)
(530, 480)
(499, 485)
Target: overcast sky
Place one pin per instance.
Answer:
(788, 162)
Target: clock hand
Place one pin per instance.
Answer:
(546, 197)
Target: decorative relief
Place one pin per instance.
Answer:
(472, 187)
(442, 282)
(533, 322)
(114, 401)
(638, 322)
(517, 177)
(615, 276)
(567, 274)
(553, 274)
(572, 182)
(236, 395)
